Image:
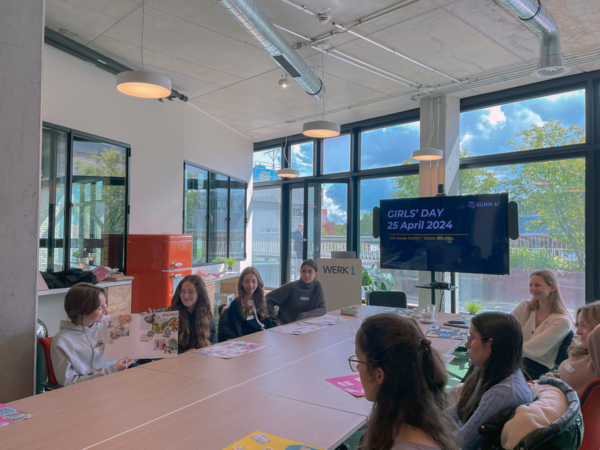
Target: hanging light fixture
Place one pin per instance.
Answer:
(284, 83)
(429, 153)
(140, 83)
(288, 172)
(321, 128)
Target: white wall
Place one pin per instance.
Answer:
(78, 95)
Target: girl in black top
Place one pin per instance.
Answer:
(248, 314)
(197, 326)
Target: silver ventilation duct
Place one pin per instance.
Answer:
(541, 21)
(262, 29)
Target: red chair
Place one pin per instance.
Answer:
(590, 410)
(51, 383)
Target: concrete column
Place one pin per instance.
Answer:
(440, 128)
(21, 43)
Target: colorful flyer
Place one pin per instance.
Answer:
(446, 333)
(350, 383)
(260, 441)
(145, 336)
(298, 328)
(10, 416)
(327, 319)
(230, 349)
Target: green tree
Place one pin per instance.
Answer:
(109, 163)
(552, 190)
(366, 224)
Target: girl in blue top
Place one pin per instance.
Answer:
(495, 345)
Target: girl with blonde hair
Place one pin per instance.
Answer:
(248, 313)
(583, 366)
(545, 321)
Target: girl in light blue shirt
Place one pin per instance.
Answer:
(495, 345)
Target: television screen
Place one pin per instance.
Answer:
(467, 233)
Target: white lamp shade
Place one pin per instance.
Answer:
(427, 154)
(288, 173)
(143, 84)
(321, 129)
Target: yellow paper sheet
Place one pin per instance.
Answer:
(263, 441)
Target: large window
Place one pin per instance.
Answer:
(214, 215)
(266, 237)
(542, 146)
(92, 230)
(389, 146)
(551, 198)
(371, 191)
(543, 122)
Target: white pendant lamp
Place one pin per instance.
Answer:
(321, 128)
(429, 153)
(141, 83)
(288, 172)
(138, 83)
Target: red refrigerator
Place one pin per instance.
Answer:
(157, 262)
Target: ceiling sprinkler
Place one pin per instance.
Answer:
(323, 17)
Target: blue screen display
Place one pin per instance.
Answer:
(466, 233)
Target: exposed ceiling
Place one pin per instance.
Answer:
(225, 72)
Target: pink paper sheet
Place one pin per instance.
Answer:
(350, 383)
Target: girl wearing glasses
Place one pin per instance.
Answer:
(405, 378)
(197, 326)
(545, 322)
(495, 346)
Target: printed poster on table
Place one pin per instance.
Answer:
(230, 349)
(260, 441)
(327, 319)
(350, 384)
(446, 333)
(298, 328)
(142, 336)
(10, 416)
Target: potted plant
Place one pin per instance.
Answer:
(374, 280)
(80, 257)
(473, 308)
(229, 263)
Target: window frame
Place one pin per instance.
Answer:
(71, 134)
(210, 172)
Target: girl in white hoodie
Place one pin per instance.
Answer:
(77, 349)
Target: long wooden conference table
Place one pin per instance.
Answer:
(203, 402)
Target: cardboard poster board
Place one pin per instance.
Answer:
(342, 279)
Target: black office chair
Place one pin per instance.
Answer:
(390, 299)
(562, 351)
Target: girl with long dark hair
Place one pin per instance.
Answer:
(495, 346)
(405, 378)
(197, 326)
(248, 313)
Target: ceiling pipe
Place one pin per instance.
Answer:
(538, 18)
(249, 15)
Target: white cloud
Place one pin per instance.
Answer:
(465, 138)
(496, 115)
(566, 95)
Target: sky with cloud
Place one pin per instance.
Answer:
(482, 132)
